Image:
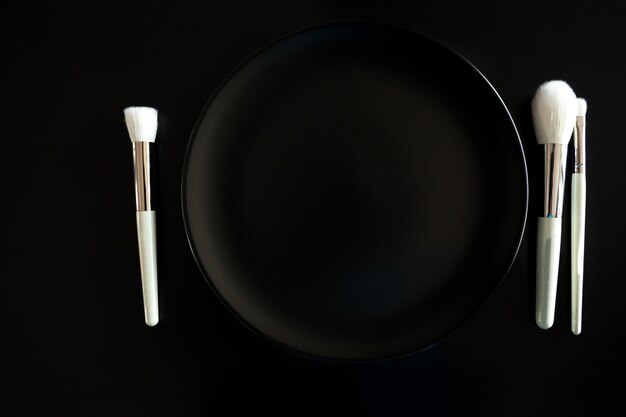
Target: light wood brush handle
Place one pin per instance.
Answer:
(146, 234)
(548, 252)
(579, 195)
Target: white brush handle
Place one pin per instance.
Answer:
(548, 252)
(146, 233)
(579, 196)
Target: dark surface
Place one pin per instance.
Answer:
(341, 187)
(72, 337)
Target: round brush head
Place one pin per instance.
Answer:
(554, 110)
(142, 123)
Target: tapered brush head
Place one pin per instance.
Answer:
(142, 123)
(554, 109)
(582, 107)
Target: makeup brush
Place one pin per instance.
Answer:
(579, 197)
(554, 110)
(142, 127)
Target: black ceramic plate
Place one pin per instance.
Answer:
(355, 192)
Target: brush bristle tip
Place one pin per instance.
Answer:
(582, 107)
(142, 123)
(554, 110)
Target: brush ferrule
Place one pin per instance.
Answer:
(555, 161)
(579, 145)
(142, 158)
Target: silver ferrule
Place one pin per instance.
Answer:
(555, 162)
(142, 158)
(579, 145)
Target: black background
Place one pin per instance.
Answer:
(72, 337)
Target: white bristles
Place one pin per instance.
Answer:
(582, 107)
(142, 123)
(554, 110)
